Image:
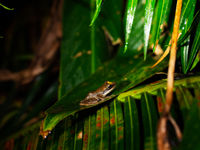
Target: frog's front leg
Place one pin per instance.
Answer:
(99, 98)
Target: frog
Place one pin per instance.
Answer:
(99, 95)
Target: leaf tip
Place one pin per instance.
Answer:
(125, 47)
(145, 53)
(145, 56)
(91, 24)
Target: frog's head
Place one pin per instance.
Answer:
(108, 87)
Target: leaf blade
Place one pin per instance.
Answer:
(69, 104)
(131, 7)
(97, 11)
(149, 117)
(195, 47)
(5, 7)
(186, 21)
(132, 130)
(160, 17)
(149, 9)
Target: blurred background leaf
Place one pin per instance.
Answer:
(5, 7)
(89, 56)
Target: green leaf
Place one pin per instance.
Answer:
(132, 128)
(111, 14)
(98, 9)
(136, 39)
(149, 117)
(68, 135)
(78, 138)
(6, 7)
(185, 97)
(155, 86)
(159, 19)
(130, 13)
(196, 61)
(56, 134)
(187, 14)
(191, 130)
(149, 9)
(117, 70)
(82, 48)
(116, 126)
(186, 21)
(73, 48)
(89, 138)
(106, 127)
(121, 121)
(94, 55)
(185, 100)
(124, 122)
(195, 47)
(191, 29)
(102, 128)
(87, 133)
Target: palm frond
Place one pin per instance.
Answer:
(117, 124)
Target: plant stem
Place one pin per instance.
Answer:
(172, 60)
(162, 138)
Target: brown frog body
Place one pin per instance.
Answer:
(98, 95)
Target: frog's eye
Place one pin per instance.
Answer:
(109, 87)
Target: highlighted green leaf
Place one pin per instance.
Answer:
(155, 86)
(97, 11)
(117, 70)
(195, 47)
(186, 21)
(149, 9)
(6, 7)
(196, 61)
(191, 29)
(160, 17)
(130, 13)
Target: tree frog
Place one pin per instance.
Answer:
(98, 95)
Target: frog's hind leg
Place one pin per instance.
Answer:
(99, 98)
